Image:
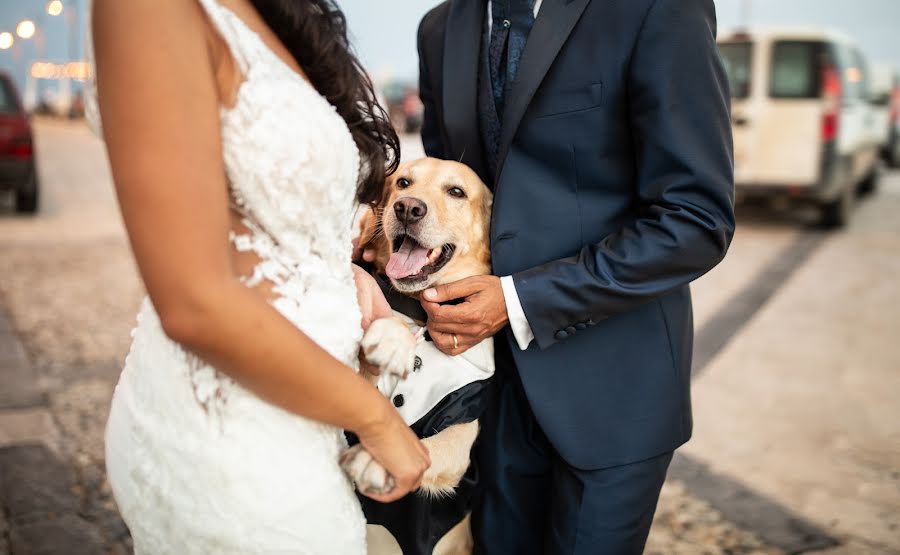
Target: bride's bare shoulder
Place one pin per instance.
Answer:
(151, 20)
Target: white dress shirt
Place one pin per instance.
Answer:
(517, 321)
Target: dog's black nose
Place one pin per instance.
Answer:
(410, 210)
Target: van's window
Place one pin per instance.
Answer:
(795, 69)
(737, 57)
(856, 76)
(7, 101)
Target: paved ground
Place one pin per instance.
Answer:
(797, 443)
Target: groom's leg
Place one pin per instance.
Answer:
(515, 471)
(607, 511)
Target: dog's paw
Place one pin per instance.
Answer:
(389, 345)
(368, 475)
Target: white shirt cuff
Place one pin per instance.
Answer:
(517, 321)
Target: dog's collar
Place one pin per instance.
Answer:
(407, 306)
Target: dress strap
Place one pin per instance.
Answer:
(233, 31)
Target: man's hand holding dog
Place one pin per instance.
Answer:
(457, 328)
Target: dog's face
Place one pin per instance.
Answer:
(434, 221)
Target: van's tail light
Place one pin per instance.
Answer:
(831, 94)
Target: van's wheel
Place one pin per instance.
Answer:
(27, 197)
(870, 184)
(836, 214)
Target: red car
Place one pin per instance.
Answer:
(17, 165)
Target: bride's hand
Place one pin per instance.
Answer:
(394, 446)
(371, 300)
(373, 306)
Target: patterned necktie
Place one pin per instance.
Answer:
(512, 23)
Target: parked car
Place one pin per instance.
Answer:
(801, 117)
(17, 166)
(886, 96)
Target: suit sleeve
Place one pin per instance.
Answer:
(431, 132)
(684, 186)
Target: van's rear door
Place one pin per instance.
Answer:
(788, 120)
(777, 109)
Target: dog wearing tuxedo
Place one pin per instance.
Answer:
(431, 228)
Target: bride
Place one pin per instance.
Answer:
(241, 134)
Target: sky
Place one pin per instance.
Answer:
(58, 39)
(384, 30)
(385, 39)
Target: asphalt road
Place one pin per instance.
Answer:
(797, 424)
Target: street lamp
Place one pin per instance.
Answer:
(6, 41)
(55, 7)
(26, 29)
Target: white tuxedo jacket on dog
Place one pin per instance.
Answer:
(437, 375)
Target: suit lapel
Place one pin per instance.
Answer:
(462, 45)
(552, 27)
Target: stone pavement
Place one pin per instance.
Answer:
(795, 390)
(802, 406)
(40, 509)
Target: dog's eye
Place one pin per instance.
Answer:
(403, 183)
(456, 192)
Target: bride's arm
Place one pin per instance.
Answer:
(160, 116)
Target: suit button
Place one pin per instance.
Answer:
(506, 24)
(399, 400)
(561, 334)
(417, 364)
(580, 326)
(570, 330)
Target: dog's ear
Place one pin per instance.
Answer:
(371, 237)
(369, 227)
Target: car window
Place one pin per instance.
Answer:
(738, 60)
(795, 69)
(8, 102)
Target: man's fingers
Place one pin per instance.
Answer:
(456, 290)
(462, 330)
(445, 344)
(447, 313)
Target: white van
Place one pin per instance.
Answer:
(803, 123)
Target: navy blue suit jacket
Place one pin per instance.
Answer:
(614, 191)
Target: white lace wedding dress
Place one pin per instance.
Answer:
(197, 463)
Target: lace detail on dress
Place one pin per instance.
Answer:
(211, 387)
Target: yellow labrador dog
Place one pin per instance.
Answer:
(431, 229)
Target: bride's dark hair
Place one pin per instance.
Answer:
(315, 33)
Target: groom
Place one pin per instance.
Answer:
(602, 127)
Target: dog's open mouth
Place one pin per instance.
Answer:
(410, 261)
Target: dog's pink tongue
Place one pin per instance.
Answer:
(409, 260)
